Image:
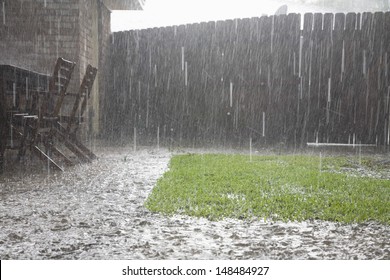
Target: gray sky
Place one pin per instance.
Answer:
(159, 13)
(173, 12)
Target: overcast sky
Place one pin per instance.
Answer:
(173, 12)
(159, 13)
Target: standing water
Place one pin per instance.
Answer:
(96, 211)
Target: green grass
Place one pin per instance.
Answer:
(289, 187)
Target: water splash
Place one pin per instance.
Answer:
(106, 218)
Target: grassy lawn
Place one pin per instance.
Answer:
(291, 187)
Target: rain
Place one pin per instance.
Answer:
(299, 76)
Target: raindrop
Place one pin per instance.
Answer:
(169, 81)
(158, 137)
(147, 109)
(320, 164)
(300, 89)
(310, 64)
(58, 37)
(186, 74)
(364, 63)
(231, 94)
(26, 88)
(388, 134)
(263, 124)
(139, 91)
(150, 60)
(182, 58)
(342, 61)
(269, 76)
(155, 75)
(14, 94)
(295, 64)
(59, 78)
(300, 55)
(3, 13)
(250, 149)
(12, 134)
(329, 99)
(86, 112)
(48, 164)
(135, 139)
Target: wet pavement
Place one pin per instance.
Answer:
(96, 211)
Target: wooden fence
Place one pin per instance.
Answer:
(270, 78)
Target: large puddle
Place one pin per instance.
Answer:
(95, 211)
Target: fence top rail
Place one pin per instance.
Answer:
(308, 16)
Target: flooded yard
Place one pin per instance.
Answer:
(96, 211)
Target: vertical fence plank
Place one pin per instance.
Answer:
(293, 26)
(306, 55)
(386, 44)
(366, 45)
(348, 90)
(336, 74)
(325, 78)
(315, 127)
(265, 74)
(378, 80)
